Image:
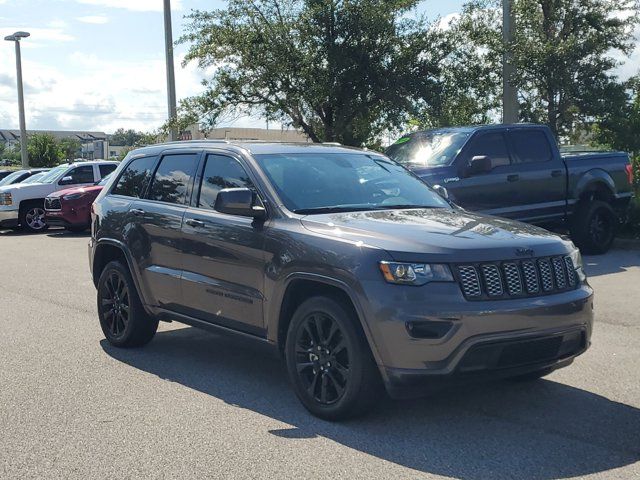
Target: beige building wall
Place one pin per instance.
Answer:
(247, 134)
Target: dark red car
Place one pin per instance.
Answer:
(71, 208)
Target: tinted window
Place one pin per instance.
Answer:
(106, 170)
(172, 178)
(530, 146)
(135, 178)
(82, 174)
(491, 145)
(221, 172)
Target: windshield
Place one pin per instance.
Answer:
(9, 179)
(52, 175)
(34, 178)
(428, 149)
(104, 181)
(332, 182)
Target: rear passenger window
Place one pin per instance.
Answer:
(135, 178)
(530, 146)
(106, 170)
(171, 181)
(221, 172)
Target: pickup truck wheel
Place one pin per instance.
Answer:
(594, 227)
(122, 317)
(329, 361)
(31, 218)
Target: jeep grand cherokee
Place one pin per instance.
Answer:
(355, 269)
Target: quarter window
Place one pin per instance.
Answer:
(106, 169)
(135, 178)
(221, 172)
(173, 177)
(530, 146)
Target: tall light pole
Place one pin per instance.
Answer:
(171, 77)
(510, 112)
(23, 129)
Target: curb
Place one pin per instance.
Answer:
(626, 244)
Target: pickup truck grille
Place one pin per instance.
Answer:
(52, 204)
(516, 278)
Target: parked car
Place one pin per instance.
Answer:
(23, 205)
(355, 269)
(4, 173)
(71, 208)
(517, 172)
(20, 176)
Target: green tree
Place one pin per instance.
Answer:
(70, 147)
(339, 70)
(125, 137)
(43, 150)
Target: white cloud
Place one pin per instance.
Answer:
(136, 5)
(95, 19)
(40, 35)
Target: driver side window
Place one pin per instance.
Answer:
(79, 175)
(492, 145)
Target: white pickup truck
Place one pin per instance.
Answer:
(22, 205)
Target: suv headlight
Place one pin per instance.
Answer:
(6, 199)
(415, 273)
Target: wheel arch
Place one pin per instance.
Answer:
(595, 185)
(300, 286)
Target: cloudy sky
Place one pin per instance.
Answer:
(99, 64)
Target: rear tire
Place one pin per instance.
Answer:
(593, 227)
(31, 217)
(122, 317)
(329, 361)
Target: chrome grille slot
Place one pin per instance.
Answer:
(571, 272)
(512, 278)
(492, 280)
(545, 274)
(469, 281)
(558, 272)
(531, 277)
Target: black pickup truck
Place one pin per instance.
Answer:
(518, 172)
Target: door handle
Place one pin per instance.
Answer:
(556, 173)
(192, 222)
(137, 212)
(513, 178)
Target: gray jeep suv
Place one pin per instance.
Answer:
(358, 272)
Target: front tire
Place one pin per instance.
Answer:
(122, 317)
(593, 227)
(31, 218)
(329, 361)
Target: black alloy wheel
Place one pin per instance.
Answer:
(115, 304)
(322, 358)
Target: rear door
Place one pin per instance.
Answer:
(542, 185)
(488, 191)
(155, 224)
(224, 258)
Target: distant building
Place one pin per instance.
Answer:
(94, 144)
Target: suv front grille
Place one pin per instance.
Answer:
(516, 278)
(52, 204)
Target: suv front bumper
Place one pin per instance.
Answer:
(9, 218)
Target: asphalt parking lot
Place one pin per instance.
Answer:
(193, 405)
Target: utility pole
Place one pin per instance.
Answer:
(171, 77)
(510, 112)
(23, 129)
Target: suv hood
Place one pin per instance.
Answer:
(94, 188)
(439, 234)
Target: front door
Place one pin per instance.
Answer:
(223, 269)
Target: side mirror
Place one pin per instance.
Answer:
(239, 201)
(66, 181)
(440, 190)
(479, 164)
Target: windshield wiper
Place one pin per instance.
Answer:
(404, 207)
(333, 209)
